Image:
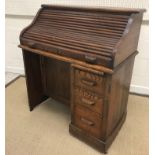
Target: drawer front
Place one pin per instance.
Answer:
(88, 99)
(89, 81)
(88, 121)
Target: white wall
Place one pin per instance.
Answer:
(13, 54)
(19, 13)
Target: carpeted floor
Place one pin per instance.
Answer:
(45, 130)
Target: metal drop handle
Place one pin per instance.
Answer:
(88, 102)
(90, 123)
(88, 83)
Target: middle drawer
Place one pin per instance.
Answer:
(88, 99)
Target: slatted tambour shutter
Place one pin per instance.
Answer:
(75, 31)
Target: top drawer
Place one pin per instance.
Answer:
(89, 80)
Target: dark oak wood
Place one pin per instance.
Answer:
(70, 60)
(89, 99)
(83, 57)
(55, 85)
(90, 124)
(68, 32)
(33, 79)
(89, 81)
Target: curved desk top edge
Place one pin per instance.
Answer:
(66, 59)
(96, 8)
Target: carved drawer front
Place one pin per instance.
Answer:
(88, 99)
(88, 121)
(89, 80)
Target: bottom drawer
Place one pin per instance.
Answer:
(87, 121)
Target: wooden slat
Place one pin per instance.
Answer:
(78, 30)
(83, 18)
(69, 41)
(67, 46)
(84, 30)
(86, 24)
(90, 21)
(86, 13)
(57, 44)
(74, 35)
(81, 27)
(86, 16)
(116, 10)
(101, 24)
(94, 33)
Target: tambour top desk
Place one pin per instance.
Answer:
(83, 57)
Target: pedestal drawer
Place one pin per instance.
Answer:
(88, 99)
(89, 80)
(87, 120)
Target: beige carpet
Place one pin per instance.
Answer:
(45, 130)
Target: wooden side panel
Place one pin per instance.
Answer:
(33, 79)
(118, 97)
(56, 75)
(129, 42)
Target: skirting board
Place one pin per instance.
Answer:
(19, 70)
(139, 89)
(133, 88)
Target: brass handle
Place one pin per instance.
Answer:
(90, 123)
(90, 59)
(88, 83)
(86, 101)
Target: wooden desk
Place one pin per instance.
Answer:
(83, 57)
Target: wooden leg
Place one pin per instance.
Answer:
(33, 79)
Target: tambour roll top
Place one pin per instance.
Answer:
(100, 36)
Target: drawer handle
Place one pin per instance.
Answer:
(90, 59)
(88, 83)
(90, 123)
(87, 101)
(32, 45)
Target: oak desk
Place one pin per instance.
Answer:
(83, 57)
